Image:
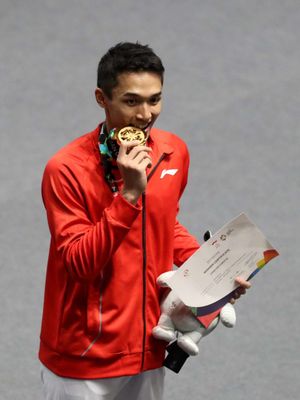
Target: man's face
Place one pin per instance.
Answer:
(136, 100)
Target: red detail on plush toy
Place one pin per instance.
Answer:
(206, 320)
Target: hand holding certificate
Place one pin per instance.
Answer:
(207, 279)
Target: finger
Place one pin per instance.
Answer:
(240, 291)
(131, 145)
(146, 163)
(135, 151)
(122, 150)
(141, 162)
(126, 146)
(141, 156)
(242, 282)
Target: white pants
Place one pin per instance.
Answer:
(145, 386)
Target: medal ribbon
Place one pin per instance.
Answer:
(109, 150)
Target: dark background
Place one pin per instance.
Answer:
(232, 92)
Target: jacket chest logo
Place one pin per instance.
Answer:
(165, 172)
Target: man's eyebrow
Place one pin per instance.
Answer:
(132, 94)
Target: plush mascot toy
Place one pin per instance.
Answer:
(177, 317)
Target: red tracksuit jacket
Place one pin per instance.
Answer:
(101, 298)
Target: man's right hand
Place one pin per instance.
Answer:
(133, 160)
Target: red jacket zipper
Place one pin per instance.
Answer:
(144, 246)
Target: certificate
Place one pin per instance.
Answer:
(207, 279)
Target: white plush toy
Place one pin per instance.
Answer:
(176, 316)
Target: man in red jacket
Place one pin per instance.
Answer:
(112, 213)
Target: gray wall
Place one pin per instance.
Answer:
(232, 92)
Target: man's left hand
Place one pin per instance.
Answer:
(243, 286)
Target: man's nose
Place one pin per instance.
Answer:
(144, 112)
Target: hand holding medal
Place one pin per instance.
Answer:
(133, 160)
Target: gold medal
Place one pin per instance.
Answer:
(131, 134)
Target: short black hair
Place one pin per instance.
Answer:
(126, 57)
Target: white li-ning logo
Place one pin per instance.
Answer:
(168, 172)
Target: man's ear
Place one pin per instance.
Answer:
(100, 97)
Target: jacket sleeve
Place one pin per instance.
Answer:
(85, 247)
(185, 244)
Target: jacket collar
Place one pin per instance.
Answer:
(161, 142)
